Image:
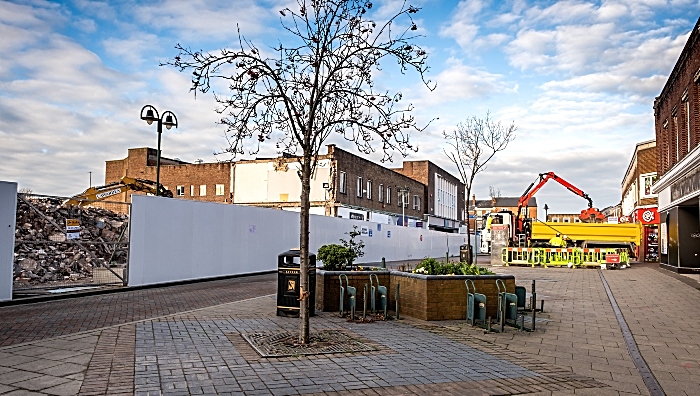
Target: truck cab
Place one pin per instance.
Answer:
(502, 217)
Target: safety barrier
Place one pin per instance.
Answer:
(565, 257)
(521, 256)
(561, 257)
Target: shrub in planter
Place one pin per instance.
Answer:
(335, 257)
(430, 266)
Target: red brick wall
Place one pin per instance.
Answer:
(670, 103)
(437, 298)
(355, 166)
(141, 164)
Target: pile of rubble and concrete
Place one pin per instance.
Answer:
(47, 251)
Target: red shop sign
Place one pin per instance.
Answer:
(648, 216)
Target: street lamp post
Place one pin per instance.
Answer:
(150, 114)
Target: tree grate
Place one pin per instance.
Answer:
(285, 343)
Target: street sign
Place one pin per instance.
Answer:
(72, 229)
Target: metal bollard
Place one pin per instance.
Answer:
(364, 308)
(396, 298)
(541, 305)
(383, 262)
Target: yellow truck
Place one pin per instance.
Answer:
(587, 235)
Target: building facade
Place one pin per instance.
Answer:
(677, 124)
(444, 204)
(209, 182)
(639, 203)
(343, 185)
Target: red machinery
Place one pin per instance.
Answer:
(587, 215)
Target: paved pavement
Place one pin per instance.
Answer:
(187, 340)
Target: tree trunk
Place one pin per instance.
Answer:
(304, 249)
(470, 258)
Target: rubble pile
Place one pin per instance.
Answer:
(44, 255)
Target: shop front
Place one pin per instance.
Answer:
(679, 216)
(649, 244)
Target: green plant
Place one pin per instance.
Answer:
(355, 247)
(335, 257)
(430, 266)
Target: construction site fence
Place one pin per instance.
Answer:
(59, 247)
(565, 257)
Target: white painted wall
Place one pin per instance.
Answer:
(8, 214)
(260, 182)
(174, 239)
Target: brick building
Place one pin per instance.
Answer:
(639, 204)
(344, 185)
(563, 217)
(677, 124)
(208, 182)
(444, 205)
(479, 208)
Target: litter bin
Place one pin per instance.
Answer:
(464, 254)
(288, 281)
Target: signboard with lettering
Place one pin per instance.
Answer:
(663, 238)
(686, 186)
(72, 229)
(648, 216)
(357, 216)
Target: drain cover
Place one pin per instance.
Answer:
(284, 343)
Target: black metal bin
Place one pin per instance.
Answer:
(288, 281)
(465, 254)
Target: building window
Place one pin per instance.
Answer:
(388, 195)
(203, 190)
(645, 182)
(566, 219)
(369, 189)
(555, 219)
(416, 202)
(180, 191)
(219, 189)
(687, 121)
(191, 191)
(381, 193)
(445, 198)
(343, 183)
(577, 220)
(359, 186)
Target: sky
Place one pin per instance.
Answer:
(578, 79)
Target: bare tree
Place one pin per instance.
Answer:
(318, 83)
(494, 192)
(472, 145)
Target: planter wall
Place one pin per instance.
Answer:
(328, 288)
(444, 297)
(426, 297)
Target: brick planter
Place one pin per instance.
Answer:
(328, 287)
(426, 297)
(444, 297)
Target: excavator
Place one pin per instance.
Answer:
(125, 184)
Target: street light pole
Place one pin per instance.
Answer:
(169, 120)
(90, 172)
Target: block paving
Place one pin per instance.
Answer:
(186, 339)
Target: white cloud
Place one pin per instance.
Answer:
(458, 82)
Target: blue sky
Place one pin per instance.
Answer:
(578, 78)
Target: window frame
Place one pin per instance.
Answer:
(216, 189)
(202, 190)
(380, 197)
(342, 182)
(388, 195)
(369, 189)
(180, 191)
(360, 186)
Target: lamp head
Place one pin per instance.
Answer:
(169, 120)
(150, 115)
